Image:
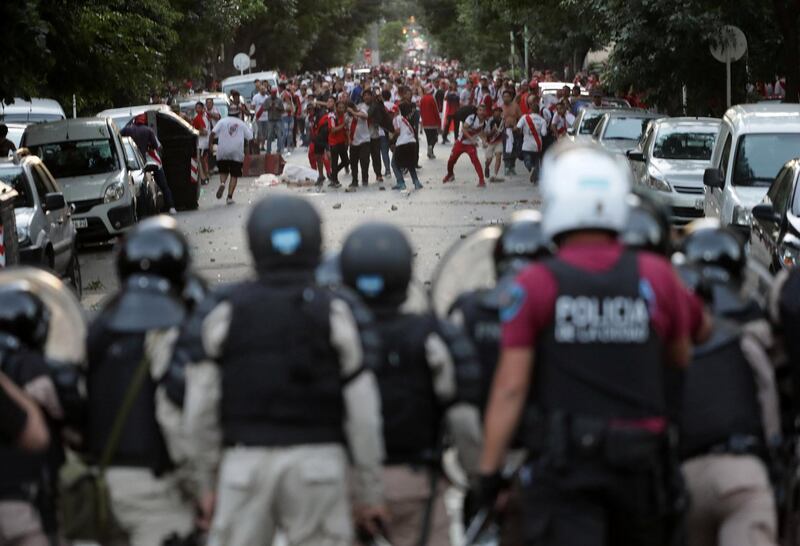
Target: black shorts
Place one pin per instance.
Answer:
(228, 166)
(320, 146)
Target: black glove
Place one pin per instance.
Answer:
(482, 494)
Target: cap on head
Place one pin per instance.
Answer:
(376, 261)
(583, 188)
(23, 315)
(284, 232)
(155, 247)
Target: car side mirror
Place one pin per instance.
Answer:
(132, 165)
(633, 155)
(54, 201)
(151, 168)
(766, 213)
(713, 178)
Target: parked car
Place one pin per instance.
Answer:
(608, 102)
(672, 158)
(149, 198)
(87, 157)
(32, 111)
(122, 116)
(246, 84)
(187, 103)
(585, 123)
(755, 141)
(45, 233)
(775, 233)
(620, 130)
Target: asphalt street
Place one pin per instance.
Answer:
(434, 218)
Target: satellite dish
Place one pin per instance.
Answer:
(252, 49)
(730, 46)
(241, 62)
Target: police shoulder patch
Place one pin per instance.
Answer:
(511, 301)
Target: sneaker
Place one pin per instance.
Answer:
(380, 180)
(334, 185)
(482, 184)
(173, 211)
(381, 187)
(320, 181)
(204, 182)
(351, 188)
(418, 186)
(220, 191)
(532, 177)
(497, 179)
(398, 187)
(229, 201)
(448, 178)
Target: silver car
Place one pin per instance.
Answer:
(671, 159)
(620, 130)
(45, 233)
(149, 198)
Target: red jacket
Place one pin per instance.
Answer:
(429, 112)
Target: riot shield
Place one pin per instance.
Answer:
(467, 266)
(66, 338)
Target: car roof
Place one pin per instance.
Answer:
(253, 76)
(19, 105)
(631, 113)
(764, 118)
(201, 97)
(689, 123)
(68, 130)
(131, 110)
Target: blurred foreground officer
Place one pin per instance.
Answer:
(730, 419)
(27, 509)
(286, 391)
(427, 371)
(130, 417)
(585, 341)
(478, 311)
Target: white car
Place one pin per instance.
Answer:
(672, 158)
(755, 141)
(621, 130)
(246, 84)
(87, 157)
(122, 116)
(15, 131)
(32, 111)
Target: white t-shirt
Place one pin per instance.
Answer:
(475, 125)
(406, 132)
(560, 124)
(361, 134)
(258, 100)
(231, 133)
(529, 143)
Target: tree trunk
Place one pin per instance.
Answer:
(787, 13)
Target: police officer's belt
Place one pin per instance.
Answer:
(562, 437)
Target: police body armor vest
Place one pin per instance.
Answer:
(411, 411)
(114, 358)
(482, 324)
(281, 377)
(600, 356)
(720, 399)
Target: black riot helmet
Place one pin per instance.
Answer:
(376, 261)
(521, 241)
(285, 232)
(23, 315)
(155, 247)
(648, 226)
(718, 251)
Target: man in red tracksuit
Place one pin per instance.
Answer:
(431, 121)
(467, 144)
(313, 133)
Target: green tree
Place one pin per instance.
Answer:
(391, 40)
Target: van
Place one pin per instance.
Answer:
(755, 141)
(246, 84)
(32, 111)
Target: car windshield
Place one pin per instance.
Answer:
(78, 157)
(15, 177)
(29, 117)
(245, 89)
(677, 144)
(759, 158)
(590, 121)
(625, 128)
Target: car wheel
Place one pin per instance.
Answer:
(74, 274)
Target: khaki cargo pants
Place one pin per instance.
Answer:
(301, 491)
(148, 509)
(731, 502)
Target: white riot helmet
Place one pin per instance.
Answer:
(583, 187)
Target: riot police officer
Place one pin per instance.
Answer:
(730, 418)
(28, 483)
(133, 431)
(427, 376)
(285, 388)
(478, 312)
(585, 338)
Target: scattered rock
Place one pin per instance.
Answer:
(337, 206)
(213, 259)
(394, 207)
(479, 218)
(463, 235)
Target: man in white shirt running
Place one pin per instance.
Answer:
(231, 132)
(534, 129)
